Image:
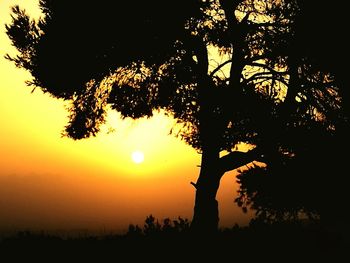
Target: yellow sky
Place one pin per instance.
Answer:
(49, 182)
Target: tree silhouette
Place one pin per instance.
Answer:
(138, 57)
(312, 183)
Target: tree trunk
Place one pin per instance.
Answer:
(206, 213)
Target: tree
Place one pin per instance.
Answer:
(138, 57)
(313, 181)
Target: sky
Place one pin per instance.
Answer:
(49, 182)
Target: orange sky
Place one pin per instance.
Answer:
(48, 182)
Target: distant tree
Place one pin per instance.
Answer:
(137, 57)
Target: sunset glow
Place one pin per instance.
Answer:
(131, 169)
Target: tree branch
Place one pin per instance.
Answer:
(267, 24)
(265, 76)
(236, 159)
(258, 57)
(261, 65)
(229, 7)
(219, 67)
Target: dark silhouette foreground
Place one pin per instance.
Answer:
(172, 240)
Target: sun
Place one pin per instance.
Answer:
(137, 157)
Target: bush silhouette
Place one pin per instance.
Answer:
(172, 240)
(167, 227)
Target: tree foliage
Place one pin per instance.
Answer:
(309, 182)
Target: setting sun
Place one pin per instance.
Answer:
(137, 157)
